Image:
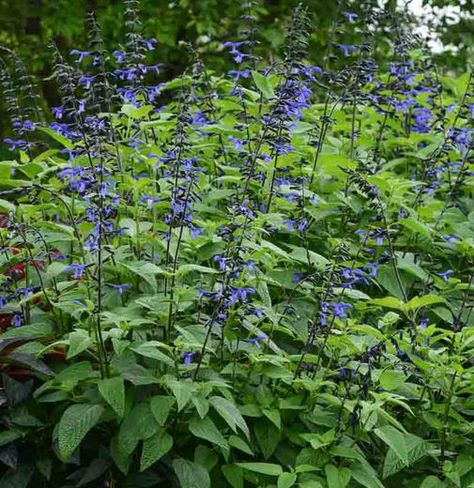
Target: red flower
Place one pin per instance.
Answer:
(56, 355)
(5, 321)
(16, 271)
(4, 217)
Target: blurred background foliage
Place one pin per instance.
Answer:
(29, 25)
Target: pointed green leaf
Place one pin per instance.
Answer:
(395, 440)
(75, 423)
(161, 407)
(113, 392)
(206, 429)
(183, 391)
(263, 468)
(229, 412)
(233, 474)
(155, 448)
(286, 480)
(150, 350)
(262, 83)
(191, 475)
(337, 477)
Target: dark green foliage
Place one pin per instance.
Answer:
(258, 279)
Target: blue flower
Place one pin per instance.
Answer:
(234, 50)
(237, 143)
(17, 320)
(195, 231)
(82, 55)
(149, 200)
(372, 269)
(150, 44)
(446, 274)
(240, 294)
(298, 277)
(424, 322)
(256, 341)
(25, 291)
(17, 144)
(449, 238)
(221, 261)
(119, 56)
(350, 16)
(104, 188)
(237, 74)
(340, 308)
(120, 288)
(58, 112)
(86, 80)
(4, 300)
(188, 357)
(347, 49)
(257, 311)
(78, 270)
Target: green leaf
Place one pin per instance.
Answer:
(145, 270)
(229, 412)
(388, 302)
(136, 113)
(161, 407)
(139, 424)
(8, 436)
(425, 301)
(444, 314)
(79, 341)
(191, 475)
(188, 268)
(121, 458)
(262, 468)
(205, 456)
(57, 137)
(307, 256)
(366, 475)
(150, 350)
(154, 448)
(286, 480)
(7, 206)
(113, 392)
(267, 435)
(406, 263)
(395, 440)
(417, 448)
(233, 474)
(263, 84)
(206, 429)
(388, 279)
(240, 444)
(76, 422)
(183, 391)
(133, 228)
(391, 379)
(73, 374)
(273, 415)
(201, 404)
(416, 227)
(337, 477)
(432, 482)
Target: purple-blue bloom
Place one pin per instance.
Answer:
(81, 55)
(347, 49)
(78, 270)
(446, 274)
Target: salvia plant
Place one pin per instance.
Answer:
(254, 278)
